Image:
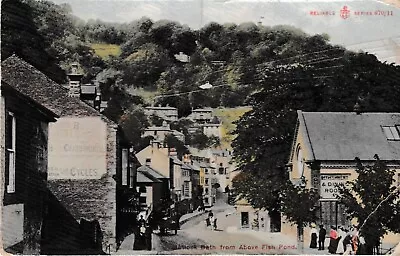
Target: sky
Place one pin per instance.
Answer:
(372, 26)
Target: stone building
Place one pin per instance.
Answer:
(151, 187)
(23, 165)
(201, 115)
(169, 114)
(324, 149)
(89, 168)
(164, 161)
(160, 132)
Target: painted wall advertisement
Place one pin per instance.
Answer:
(77, 148)
(329, 183)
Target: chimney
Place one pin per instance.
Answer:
(74, 81)
(186, 159)
(172, 152)
(357, 108)
(155, 144)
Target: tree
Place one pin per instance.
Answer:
(179, 146)
(335, 83)
(199, 140)
(182, 125)
(133, 123)
(372, 199)
(20, 36)
(299, 205)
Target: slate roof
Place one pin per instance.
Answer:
(346, 135)
(202, 110)
(187, 167)
(145, 177)
(161, 108)
(45, 111)
(151, 171)
(176, 160)
(36, 85)
(158, 128)
(195, 165)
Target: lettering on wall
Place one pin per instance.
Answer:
(77, 148)
(329, 184)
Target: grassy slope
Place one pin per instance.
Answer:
(228, 116)
(105, 50)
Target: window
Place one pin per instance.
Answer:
(132, 172)
(206, 181)
(10, 151)
(206, 171)
(186, 189)
(391, 132)
(206, 200)
(142, 200)
(221, 170)
(300, 163)
(142, 189)
(148, 161)
(206, 190)
(125, 166)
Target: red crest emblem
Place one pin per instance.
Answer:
(345, 12)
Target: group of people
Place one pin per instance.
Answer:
(211, 221)
(340, 240)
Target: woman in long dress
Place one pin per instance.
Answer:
(333, 242)
(342, 236)
(314, 232)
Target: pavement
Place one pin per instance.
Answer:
(126, 247)
(227, 239)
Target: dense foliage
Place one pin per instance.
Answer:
(373, 200)
(321, 77)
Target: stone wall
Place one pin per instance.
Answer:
(94, 199)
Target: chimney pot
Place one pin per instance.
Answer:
(357, 108)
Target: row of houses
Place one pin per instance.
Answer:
(67, 172)
(203, 120)
(71, 182)
(194, 180)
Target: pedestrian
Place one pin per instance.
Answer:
(141, 221)
(361, 246)
(313, 243)
(354, 240)
(342, 235)
(215, 224)
(321, 238)
(347, 241)
(212, 222)
(333, 240)
(208, 222)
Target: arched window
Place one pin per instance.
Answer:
(300, 161)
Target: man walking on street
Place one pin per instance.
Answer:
(321, 238)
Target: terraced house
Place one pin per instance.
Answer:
(89, 167)
(23, 164)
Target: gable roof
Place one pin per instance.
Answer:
(29, 81)
(50, 115)
(176, 160)
(150, 171)
(161, 108)
(347, 135)
(146, 177)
